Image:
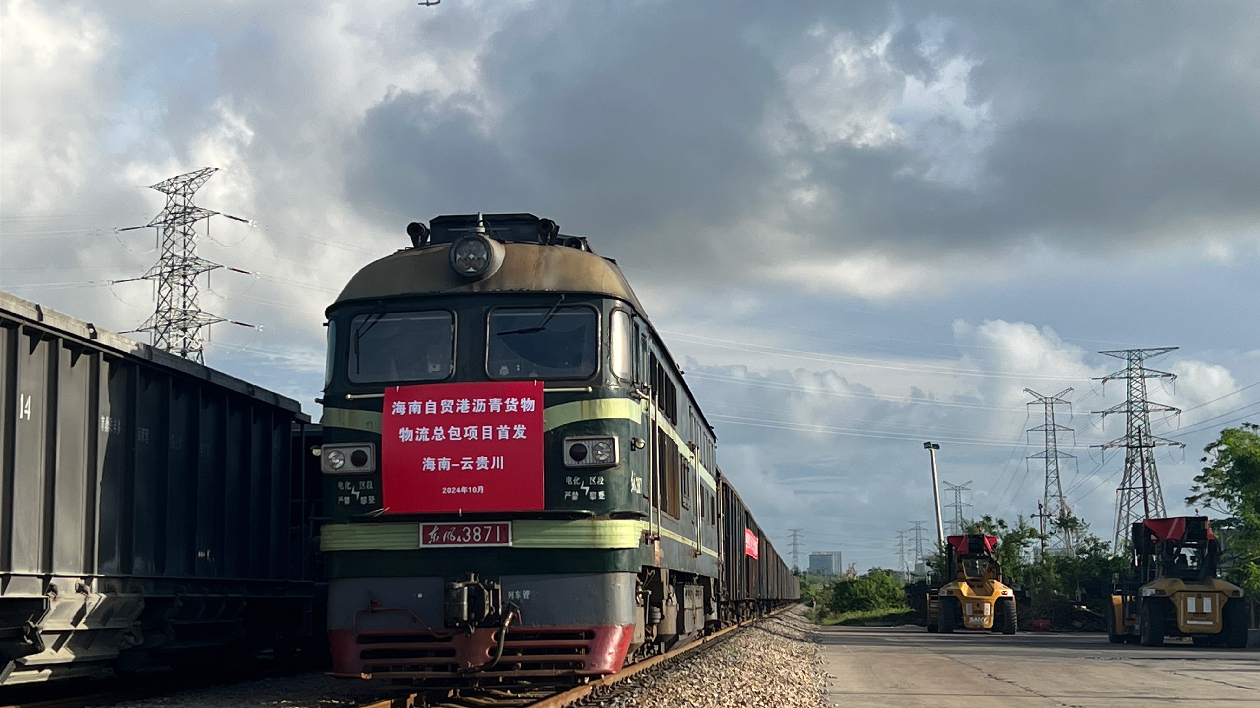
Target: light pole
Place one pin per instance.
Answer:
(932, 447)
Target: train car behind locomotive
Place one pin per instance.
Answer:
(519, 481)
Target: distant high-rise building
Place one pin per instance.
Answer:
(825, 563)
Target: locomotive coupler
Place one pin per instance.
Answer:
(473, 603)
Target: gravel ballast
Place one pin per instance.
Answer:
(773, 664)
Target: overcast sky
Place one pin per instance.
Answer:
(858, 225)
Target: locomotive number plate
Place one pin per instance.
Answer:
(496, 533)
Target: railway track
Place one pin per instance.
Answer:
(520, 696)
(545, 697)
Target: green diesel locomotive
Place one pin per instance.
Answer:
(518, 480)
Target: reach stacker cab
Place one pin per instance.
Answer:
(1174, 588)
(974, 595)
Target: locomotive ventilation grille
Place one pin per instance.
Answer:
(525, 652)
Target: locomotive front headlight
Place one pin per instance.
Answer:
(336, 459)
(348, 458)
(590, 451)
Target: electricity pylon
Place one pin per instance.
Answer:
(177, 321)
(1060, 529)
(904, 563)
(796, 550)
(956, 524)
(1139, 496)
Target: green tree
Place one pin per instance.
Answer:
(1230, 485)
(878, 589)
(1014, 542)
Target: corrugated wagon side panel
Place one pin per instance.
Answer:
(74, 460)
(236, 497)
(256, 547)
(117, 459)
(278, 465)
(31, 469)
(211, 460)
(181, 480)
(148, 509)
(8, 408)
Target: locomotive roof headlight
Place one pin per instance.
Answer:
(348, 458)
(590, 451)
(474, 256)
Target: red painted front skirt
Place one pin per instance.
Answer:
(528, 651)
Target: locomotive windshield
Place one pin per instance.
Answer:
(542, 342)
(402, 346)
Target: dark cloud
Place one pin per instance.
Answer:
(1088, 125)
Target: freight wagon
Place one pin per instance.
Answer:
(151, 509)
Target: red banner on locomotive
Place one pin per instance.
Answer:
(463, 447)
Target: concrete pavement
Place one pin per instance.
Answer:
(905, 667)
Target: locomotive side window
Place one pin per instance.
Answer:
(664, 393)
(401, 346)
(619, 346)
(684, 482)
(332, 353)
(666, 469)
(542, 342)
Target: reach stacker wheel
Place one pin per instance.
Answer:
(1151, 619)
(1112, 635)
(1234, 617)
(1010, 618)
(947, 616)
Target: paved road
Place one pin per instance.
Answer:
(905, 667)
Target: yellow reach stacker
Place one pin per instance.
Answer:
(974, 595)
(1175, 590)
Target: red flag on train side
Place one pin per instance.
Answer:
(751, 543)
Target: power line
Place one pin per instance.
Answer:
(854, 432)
(1202, 424)
(852, 361)
(1218, 398)
(1054, 511)
(842, 394)
(1139, 496)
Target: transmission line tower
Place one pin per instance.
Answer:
(918, 532)
(1057, 525)
(796, 550)
(1139, 496)
(903, 562)
(956, 524)
(177, 321)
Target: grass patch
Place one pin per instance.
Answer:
(892, 615)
